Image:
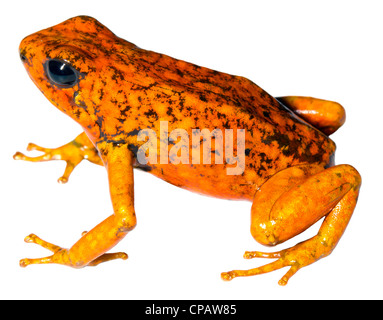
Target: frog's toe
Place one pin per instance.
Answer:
(252, 272)
(32, 238)
(70, 165)
(19, 156)
(108, 257)
(62, 180)
(259, 254)
(26, 262)
(227, 276)
(32, 146)
(48, 154)
(283, 281)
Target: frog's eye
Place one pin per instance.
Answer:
(61, 73)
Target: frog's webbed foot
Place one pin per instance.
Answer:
(72, 153)
(61, 255)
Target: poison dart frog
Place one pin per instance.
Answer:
(117, 91)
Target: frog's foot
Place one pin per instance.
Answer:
(72, 153)
(61, 255)
(296, 258)
(51, 154)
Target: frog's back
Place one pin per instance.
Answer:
(127, 89)
(188, 96)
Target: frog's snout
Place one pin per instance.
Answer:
(25, 49)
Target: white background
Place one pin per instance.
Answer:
(183, 241)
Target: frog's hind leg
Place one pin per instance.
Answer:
(72, 153)
(327, 116)
(293, 200)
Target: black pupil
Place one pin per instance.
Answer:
(61, 73)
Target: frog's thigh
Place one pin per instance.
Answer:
(295, 198)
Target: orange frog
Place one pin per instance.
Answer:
(116, 90)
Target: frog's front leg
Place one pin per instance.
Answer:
(73, 153)
(91, 249)
(293, 200)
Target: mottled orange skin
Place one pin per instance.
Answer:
(124, 89)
